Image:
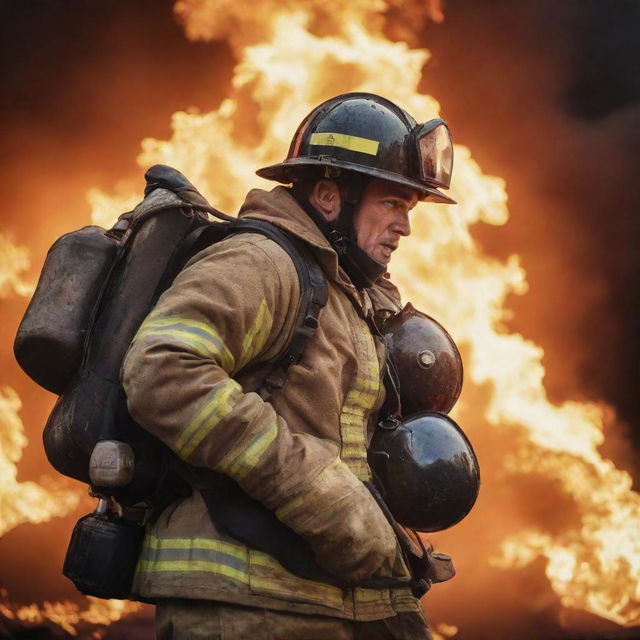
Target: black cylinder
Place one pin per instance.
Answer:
(102, 555)
(50, 340)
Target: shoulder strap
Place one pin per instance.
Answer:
(313, 291)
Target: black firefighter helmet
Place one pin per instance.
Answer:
(368, 134)
(425, 367)
(426, 470)
(356, 138)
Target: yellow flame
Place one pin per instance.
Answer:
(23, 501)
(443, 631)
(68, 615)
(14, 262)
(293, 54)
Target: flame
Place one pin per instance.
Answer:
(291, 55)
(14, 262)
(23, 501)
(443, 631)
(69, 615)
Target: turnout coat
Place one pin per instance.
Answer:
(302, 454)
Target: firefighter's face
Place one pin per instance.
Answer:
(382, 218)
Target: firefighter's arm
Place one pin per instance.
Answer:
(236, 303)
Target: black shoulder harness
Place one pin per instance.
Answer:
(314, 291)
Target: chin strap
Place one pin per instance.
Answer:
(361, 268)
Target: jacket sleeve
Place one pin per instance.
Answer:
(234, 304)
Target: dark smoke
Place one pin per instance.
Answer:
(608, 61)
(546, 95)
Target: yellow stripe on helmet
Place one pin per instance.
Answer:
(352, 143)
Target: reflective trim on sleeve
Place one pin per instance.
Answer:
(248, 450)
(257, 336)
(219, 405)
(299, 502)
(202, 338)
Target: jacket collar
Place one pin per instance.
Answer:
(279, 207)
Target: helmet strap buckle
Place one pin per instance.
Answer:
(338, 241)
(329, 173)
(389, 423)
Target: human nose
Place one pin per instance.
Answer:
(401, 224)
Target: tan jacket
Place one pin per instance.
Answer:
(302, 454)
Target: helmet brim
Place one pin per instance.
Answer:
(285, 172)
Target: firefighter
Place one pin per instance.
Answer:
(357, 165)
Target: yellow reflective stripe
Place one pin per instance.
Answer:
(284, 583)
(220, 405)
(353, 450)
(359, 468)
(239, 465)
(192, 566)
(403, 601)
(222, 558)
(296, 503)
(353, 432)
(358, 405)
(353, 143)
(155, 542)
(366, 383)
(194, 555)
(350, 419)
(201, 337)
(367, 596)
(361, 399)
(257, 336)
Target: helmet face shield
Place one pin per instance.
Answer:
(435, 153)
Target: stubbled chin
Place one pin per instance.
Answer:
(379, 255)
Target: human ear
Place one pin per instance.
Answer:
(325, 198)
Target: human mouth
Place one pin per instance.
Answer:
(389, 248)
(386, 249)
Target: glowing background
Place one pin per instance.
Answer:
(575, 508)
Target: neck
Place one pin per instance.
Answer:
(361, 268)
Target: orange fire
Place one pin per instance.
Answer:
(14, 263)
(68, 615)
(20, 501)
(293, 54)
(23, 501)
